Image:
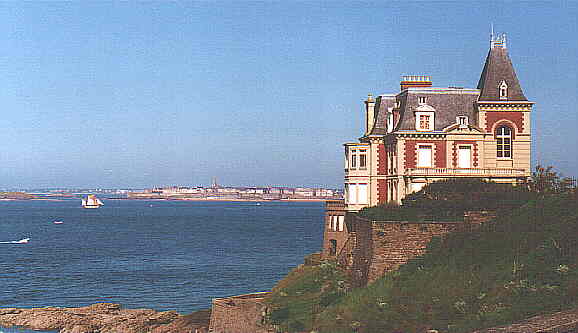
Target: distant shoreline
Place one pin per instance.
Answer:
(186, 199)
(229, 199)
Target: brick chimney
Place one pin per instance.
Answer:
(412, 81)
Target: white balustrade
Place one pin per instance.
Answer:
(464, 171)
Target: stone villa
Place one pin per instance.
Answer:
(425, 133)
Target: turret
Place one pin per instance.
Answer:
(498, 81)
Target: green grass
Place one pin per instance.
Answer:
(522, 264)
(303, 293)
(519, 265)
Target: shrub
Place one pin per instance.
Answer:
(450, 199)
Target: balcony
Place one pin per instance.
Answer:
(336, 205)
(472, 172)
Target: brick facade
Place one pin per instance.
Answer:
(439, 152)
(382, 160)
(475, 157)
(381, 191)
(515, 117)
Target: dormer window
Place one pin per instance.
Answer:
(424, 118)
(503, 90)
(421, 100)
(424, 121)
(462, 121)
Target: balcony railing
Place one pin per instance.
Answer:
(334, 204)
(486, 172)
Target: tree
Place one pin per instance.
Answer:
(546, 181)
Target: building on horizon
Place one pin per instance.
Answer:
(424, 133)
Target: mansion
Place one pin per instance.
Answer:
(423, 133)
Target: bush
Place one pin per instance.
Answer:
(450, 199)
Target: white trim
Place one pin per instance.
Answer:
(431, 156)
(431, 115)
(470, 149)
(503, 88)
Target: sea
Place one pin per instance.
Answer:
(163, 255)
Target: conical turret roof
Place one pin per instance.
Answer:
(499, 69)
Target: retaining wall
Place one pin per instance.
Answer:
(239, 314)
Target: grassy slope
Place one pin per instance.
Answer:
(521, 264)
(517, 266)
(303, 293)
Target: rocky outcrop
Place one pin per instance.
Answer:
(104, 318)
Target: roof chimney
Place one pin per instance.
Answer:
(411, 81)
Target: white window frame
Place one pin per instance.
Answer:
(501, 136)
(353, 159)
(362, 152)
(419, 146)
(341, 222)
(352, 195)
(362, 199)
(471, 149)
(431, 120)
(503, 90)
(462, 121)
(421, 100)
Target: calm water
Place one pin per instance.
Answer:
(165, 255)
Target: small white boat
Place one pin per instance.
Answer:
(57, 222)
(22, 241)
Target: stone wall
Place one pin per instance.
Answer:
(377, 247)
(239, 314)
(394, 243)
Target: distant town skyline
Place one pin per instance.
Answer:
(138, 94)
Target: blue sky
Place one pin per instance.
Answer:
(138, 94)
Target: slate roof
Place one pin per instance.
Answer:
(449, 103)
(499, 67)
(382, 104)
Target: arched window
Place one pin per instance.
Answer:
(504, 142)
(503, 90)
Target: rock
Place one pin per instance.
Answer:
(104, 318)
(79, 329)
